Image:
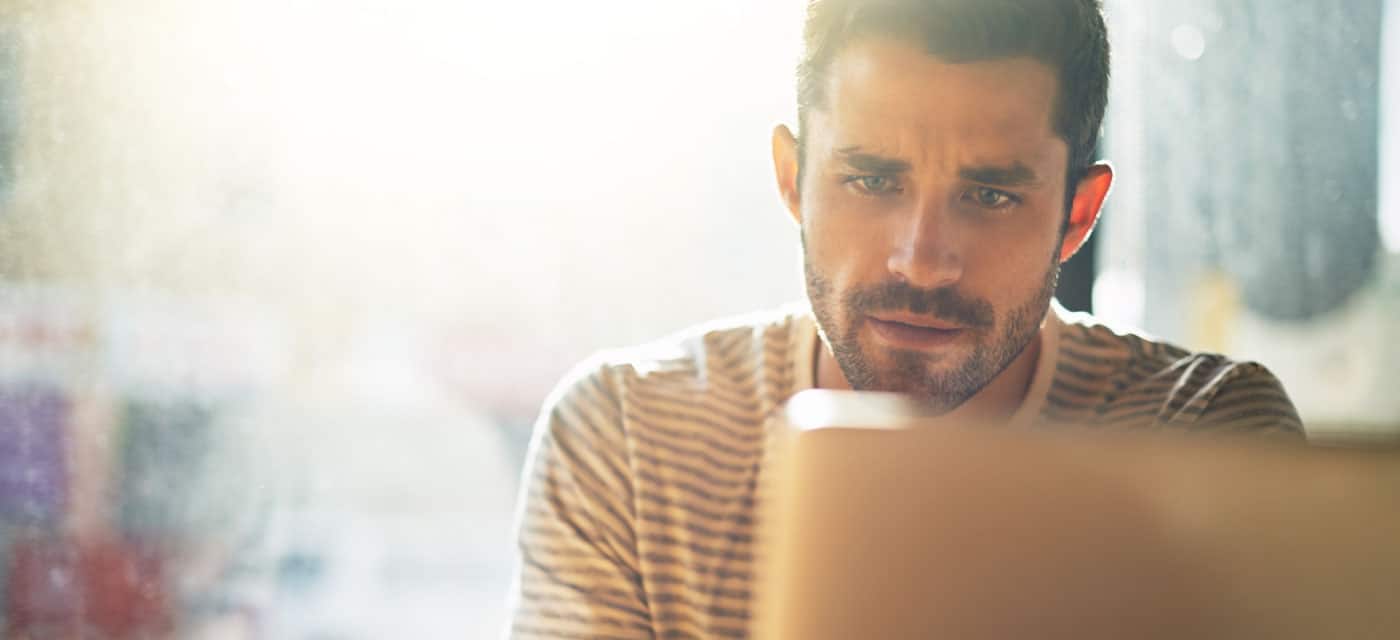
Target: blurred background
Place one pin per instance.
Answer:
(283, 283)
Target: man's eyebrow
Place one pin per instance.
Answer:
(1015, 175)
(871, 163)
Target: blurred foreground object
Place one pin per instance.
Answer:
(879, 527)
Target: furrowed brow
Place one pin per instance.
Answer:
(871, 163)
(1016, 175)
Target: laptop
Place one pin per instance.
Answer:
(877, 524)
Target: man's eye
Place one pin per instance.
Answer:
(992, 199)
(873, 185)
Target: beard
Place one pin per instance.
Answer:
(996, 341)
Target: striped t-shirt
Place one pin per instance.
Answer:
(637, 516)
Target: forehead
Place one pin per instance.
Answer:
(896, 98)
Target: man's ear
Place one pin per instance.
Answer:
(1089, 195)
(785, 162)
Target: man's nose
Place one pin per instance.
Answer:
(927, 248)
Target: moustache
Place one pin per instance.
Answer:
(945, 303)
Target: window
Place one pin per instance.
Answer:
(1249, 138)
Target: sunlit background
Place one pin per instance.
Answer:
(283, 283)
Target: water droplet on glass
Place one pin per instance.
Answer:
(1333, 189)
(1189, 41)
(1315, 256)
(1350, 110)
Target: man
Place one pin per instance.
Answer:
(943, 173)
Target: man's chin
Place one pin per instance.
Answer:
(937, 386)
(911, 368)
(938, 401)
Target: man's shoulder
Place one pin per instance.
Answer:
(693, 403)
(748, 347)
(1086, 338)
(1112, 373)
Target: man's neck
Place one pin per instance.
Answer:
(996, 402)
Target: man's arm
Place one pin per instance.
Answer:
(577, 575)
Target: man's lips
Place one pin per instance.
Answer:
(916, 321)
(910, 333)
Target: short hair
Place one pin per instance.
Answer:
(1069, 36)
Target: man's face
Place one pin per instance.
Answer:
(932, 208)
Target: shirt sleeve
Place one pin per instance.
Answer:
(577, 570)
(1248, 397)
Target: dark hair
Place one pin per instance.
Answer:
(1067, 35)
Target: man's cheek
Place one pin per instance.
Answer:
(824, 244)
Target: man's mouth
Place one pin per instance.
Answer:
(915, 333)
